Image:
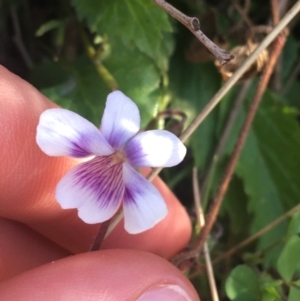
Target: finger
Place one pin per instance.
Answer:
(29, 177)
(22, 249)
(103, 276)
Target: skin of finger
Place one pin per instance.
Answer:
(29, 177)
(109, 275)
(22, 249)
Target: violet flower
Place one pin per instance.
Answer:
(97, 187)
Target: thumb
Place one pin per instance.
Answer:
(110, 275)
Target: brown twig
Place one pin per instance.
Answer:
(276, 82)
(215, 206)
(201, 223)
(279, 7)
(172, 113)
(193, 25)
(243, 11)
(282, 6)
(275, 12)
(177, 126)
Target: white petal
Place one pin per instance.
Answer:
(61, 132)
(95, 188)
(121, 119)
(156, 148)
(143, 205)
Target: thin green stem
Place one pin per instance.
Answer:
(94, 56)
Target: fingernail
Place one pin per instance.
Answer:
(165, 293)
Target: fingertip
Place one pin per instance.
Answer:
(22, 249)
(105, 275)
(21, 158)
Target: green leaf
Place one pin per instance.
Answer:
(264, 202)
(271, 288)
(243, 284)
(193, 85)
(289, 258)
(294, 294)
(269, 169)
(294, 226)
(138, 79)
(279, 135)
(64, 95)
(270, 297)
(134, 22)
(236, 209)
(292, 96)
(289, 56)
(87, 93)
(48, 74)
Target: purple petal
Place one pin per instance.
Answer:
(64, 133)
(156, 148)
(121, 119)
(95, 188)
(143, 205)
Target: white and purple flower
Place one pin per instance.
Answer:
(98, 187)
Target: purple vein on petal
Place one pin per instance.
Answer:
(134, 152)
(95, 188)
(105, 181)
(77, 149)
(115, 137)
(64, 133)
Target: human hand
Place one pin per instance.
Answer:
(38, 237)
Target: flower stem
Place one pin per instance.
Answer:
(100, 236)
(114, 222)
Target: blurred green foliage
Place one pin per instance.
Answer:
(157, 62)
